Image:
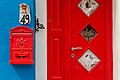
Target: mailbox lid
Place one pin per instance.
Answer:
(21, 29)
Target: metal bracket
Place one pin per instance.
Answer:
(39, 25)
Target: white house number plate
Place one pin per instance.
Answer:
(24, 15)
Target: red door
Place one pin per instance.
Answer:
(79, 40)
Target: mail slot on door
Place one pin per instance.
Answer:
(21, 45)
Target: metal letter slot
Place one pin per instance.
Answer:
(76, 48)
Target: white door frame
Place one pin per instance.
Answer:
(41, 41)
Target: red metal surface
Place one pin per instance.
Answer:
(65, 22)
(21, 45)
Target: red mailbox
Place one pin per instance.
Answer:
(21, 45)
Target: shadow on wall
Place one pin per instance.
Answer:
(22, 69)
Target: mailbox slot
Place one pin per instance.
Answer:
(22, 55)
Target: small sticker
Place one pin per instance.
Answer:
(24, 16)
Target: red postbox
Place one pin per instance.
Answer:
(21, 45)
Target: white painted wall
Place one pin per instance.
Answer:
(41, 41)
(116, 39)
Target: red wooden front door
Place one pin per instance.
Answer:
(79, 39)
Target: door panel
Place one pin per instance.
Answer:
(82, 35)
(55, 41)
(79, 40)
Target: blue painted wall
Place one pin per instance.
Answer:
(9, 18)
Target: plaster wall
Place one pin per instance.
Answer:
(116, 39)
(9, 18)
(41, 41)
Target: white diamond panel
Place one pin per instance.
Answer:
(89, 60)
(88, 6)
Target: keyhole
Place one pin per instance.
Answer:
(72, 55)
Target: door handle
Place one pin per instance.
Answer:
(76, 48)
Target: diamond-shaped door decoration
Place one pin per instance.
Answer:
(89, 60)
(88, 33)
(88, 6)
